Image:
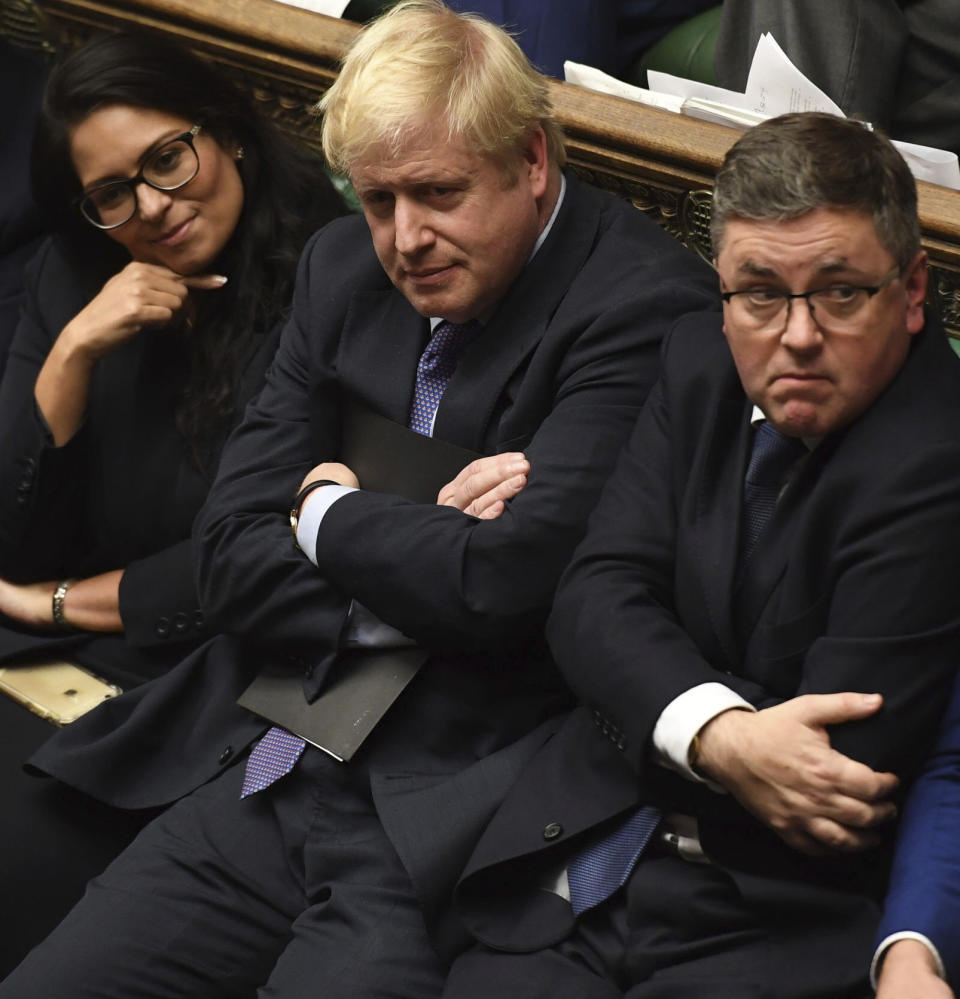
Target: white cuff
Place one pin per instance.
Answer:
(314, 509)
(683, 718)
(889, 941)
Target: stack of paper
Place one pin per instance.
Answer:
(774, 86)
(332, 8)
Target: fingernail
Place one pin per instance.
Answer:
(221, 279)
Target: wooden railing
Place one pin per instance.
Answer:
(663, 163)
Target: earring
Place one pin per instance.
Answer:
(239, 153)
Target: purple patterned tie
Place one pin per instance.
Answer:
(273, 757)
(436, 367)
(276, 754)
(599, 869)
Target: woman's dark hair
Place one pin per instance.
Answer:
(287, 196)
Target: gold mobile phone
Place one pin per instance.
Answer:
(58, 691)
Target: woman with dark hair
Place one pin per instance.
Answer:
(149, 322)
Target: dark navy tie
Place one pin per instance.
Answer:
(773, 454)
(598, 870)
(276, 754)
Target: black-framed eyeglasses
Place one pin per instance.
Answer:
(833, 308)
(171, 166)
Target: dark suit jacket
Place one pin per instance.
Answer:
(924, 893)
(608, 34)
(122, 493)
(895, 63)
(849, 589)
(22, 76)
(560, 372)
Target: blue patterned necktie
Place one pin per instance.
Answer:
(276, 754)
(273, 757)
(599, 869)
(773, 454)
(436, 367)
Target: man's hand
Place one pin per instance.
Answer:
(334, 470)
(779, 765)
(483, 487)
(909, 972)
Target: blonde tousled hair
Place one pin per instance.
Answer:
(421, 63)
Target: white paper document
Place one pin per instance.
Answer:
(774, 87)
(595, 79)
(332, 8)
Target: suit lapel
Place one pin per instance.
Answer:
(717, 520)
(383, 338)
(517, 327)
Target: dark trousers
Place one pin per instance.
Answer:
(692, 931)
(293, 892)
(53, 839)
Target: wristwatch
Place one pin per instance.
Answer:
(301, 496)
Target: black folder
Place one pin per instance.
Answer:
(364, 683)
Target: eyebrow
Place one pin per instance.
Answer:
(831, 265)
(145, 155)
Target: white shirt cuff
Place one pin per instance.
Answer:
(683, 718)
(313, 511)
(889, 941)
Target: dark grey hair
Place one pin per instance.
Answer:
(788, 166)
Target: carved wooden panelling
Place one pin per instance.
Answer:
(24, 25)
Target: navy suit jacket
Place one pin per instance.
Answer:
(560, 372)
(850, 588)
(924, 893)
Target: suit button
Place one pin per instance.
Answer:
(552, 830)
(181, 622)
(225, 755)
(198, 620)
(162, 628)
(621, 743)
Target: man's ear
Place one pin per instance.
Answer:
(536, 162)
(915, 285)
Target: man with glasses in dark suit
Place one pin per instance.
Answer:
(761, 623)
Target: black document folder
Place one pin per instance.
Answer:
(364, 683)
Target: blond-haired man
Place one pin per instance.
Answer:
(485, 299)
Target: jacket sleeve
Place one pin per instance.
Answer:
(252, 578)
(924, 890)
(40, 495)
